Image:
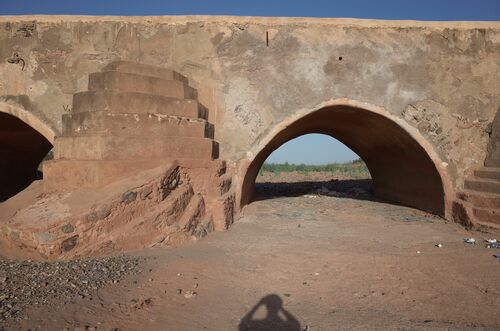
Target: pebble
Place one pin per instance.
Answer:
(129, 197)
(67, 228)
(190, 294)
(470, 241)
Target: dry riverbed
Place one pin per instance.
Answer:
(320, 256)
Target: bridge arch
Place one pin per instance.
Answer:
(24, 142)
(403, 164)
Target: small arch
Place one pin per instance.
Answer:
(404, 166)
(30, 119)
(24, 142)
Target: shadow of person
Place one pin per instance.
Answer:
(276, 319)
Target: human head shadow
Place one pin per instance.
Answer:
(277, 318)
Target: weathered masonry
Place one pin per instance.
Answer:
(188, 108)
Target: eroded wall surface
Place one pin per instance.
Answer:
(254, 73)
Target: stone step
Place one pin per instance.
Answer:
(122, 81)
(135, 103)
(221, 185)
(480, 199)
(145, 70)
(192, 214)
(105, 147)
(488, 216)
(180, 197)
(223, 210)
(62, 175)
(67, 175)
(488, 172)
(100, 122)
(483, 185)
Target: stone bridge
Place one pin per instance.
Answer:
(118, 95)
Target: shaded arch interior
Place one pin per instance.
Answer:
(401, 169)
(22, 148)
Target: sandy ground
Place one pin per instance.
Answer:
(313, 262)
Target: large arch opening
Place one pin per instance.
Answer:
(312, 165)
(399, 160)
(22, 149)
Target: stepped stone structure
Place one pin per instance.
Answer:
(481, 197)
(133, 116)
(159, 125)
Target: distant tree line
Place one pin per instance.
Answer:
(353, 169)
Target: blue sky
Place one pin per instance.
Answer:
(312, 149)
(389, 9)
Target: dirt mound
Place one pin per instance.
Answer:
(168, 205)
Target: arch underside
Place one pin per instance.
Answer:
(22, 148)
(401, 169)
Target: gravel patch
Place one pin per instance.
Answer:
(26, 283)
(355, 188)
